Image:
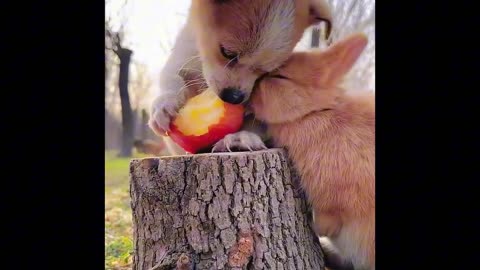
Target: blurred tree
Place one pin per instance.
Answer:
(315, 37)
(114, 43)
(140, 84)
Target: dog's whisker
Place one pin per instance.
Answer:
(196, 80)
(187, 62)
(189, 85)
(228, 63)
(192, 69)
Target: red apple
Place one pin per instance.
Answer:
(204, 120)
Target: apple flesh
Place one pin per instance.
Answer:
(204, 120)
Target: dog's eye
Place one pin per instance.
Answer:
(278, 76)
(228, 54)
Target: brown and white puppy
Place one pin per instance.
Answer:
(228, 45)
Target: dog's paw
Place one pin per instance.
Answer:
(240, 141)
(164, 109)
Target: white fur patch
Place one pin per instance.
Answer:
(276, 30)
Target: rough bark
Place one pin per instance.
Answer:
(221, 211)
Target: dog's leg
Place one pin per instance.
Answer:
(251, 137)
(172, 94)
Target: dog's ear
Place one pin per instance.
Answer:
(320, 12)
(332, 64)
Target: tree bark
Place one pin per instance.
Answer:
(221, 211)
(127, 115)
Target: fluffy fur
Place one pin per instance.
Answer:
(330, 136)
(263, 33)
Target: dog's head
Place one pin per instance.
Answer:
(239, 40)
(306, 82)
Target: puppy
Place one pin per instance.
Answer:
(227, 45)
(330, 137)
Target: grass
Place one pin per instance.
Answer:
(118, 214)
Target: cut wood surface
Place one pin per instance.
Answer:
(221, 211)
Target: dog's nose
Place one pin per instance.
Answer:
(232, 95)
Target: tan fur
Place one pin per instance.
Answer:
(330, 136)
(262, 32)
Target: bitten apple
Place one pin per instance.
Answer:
(204, 120)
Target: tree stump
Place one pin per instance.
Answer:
(221, 211)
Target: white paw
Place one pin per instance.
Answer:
(164, 108)
(240, 141)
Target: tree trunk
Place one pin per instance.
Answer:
(315, 42)
(127, 116)
(143, 127)
(106, 74)
(221, 211)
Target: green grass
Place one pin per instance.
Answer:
(118, 214)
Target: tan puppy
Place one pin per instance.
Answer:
(330, 137)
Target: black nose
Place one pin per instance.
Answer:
(232, 95)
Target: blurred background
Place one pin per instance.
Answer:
(139, 35)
